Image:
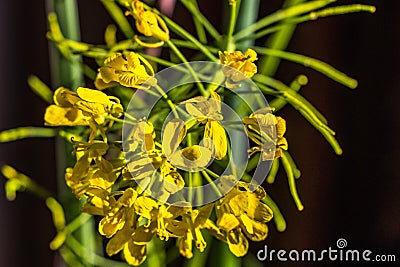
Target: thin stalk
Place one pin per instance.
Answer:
(291, 181)
(280, 40)
(247, 16)
(169, 102)
(186, 35)
(210, 181)
(310, 62)
(278, 218)
(230, 45)
(188, 44)
(192, 72)
(26, 132)
(68, 72)
(194, 9)
(282, 15)
(119, 17)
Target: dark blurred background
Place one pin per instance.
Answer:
(354, 196)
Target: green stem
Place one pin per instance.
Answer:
(247, 16)
(291, 181)
(210, 181)
(273, 171)
(40, 88)
(119, 17)
(26, 132)
(230, 45)
(68, 72)
(169, 102)
(194, 9)
(282, 15)
(186, 35)
(88, 256)
(278, 218)
(297, 83)
(192, 72)
(313, 63)
(280, 40)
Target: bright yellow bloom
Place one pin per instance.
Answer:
(149, 24)
(238, 66)
(192, 224)
(115, 213)
(131, 71)
(195, 156)
(241, 214)
(262, 127)
(208, 111)
(145, 219)
(91, 170)
(143, 164)
(85, 107)
(142, 137)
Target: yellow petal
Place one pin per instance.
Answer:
(117, 243)
(227, 221)
(216, 133)
(237, 242)
(280, 126)
(254, 230)
(191, 157)
(60, 99)
(173, 181)
(144, 206)
(94, 96)
(143, 234)
(115, 61)
(134, 254)
(108, 226)
(60, 116)
(93, 108)
(173, 134)
(107, 74)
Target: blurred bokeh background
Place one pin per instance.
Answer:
(354, 196)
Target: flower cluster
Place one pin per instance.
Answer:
(188, 163)
(137, 187)
(120, 188)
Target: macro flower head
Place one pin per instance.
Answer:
(238, 66)
(83, 107)
(130, 71)
(241, 214)
(149, 24)
(266, 130)
(145, 219)
(91, 169)
(208, 111)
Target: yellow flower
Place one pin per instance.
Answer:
(191, 225)
(142, 137)
(149, 24)
(91, 169)
(241, 214)
(85, 107)
(115, 214)
(131, 71)
(208, 110)
(145, 163)
(145, 219)
(238, 66)
(191, 157)
(261, 127)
